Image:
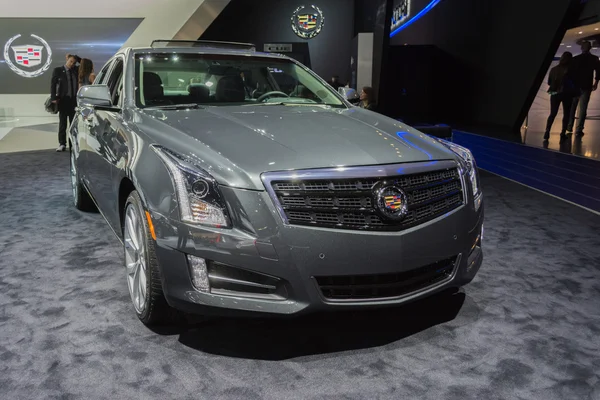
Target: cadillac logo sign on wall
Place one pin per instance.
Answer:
(307, 21)
(27, 59)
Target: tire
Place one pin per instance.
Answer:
(81, 197)
(150, 305)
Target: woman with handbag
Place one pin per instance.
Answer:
(562, 90)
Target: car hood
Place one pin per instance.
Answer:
(245, 141)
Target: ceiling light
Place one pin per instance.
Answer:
(562, 44)
(597, 29)
(581, 33)
(569, 47)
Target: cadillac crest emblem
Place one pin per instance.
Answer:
(307, 21)
(25, 57)
(391, 202)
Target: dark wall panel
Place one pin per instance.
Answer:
(504, 46)
(268, 21)
(365, 12)
(428, 86)
(381, 32)
(590, 13)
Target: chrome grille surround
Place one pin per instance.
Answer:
(343, 198)
(390, 286)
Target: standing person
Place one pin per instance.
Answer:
(367, 98)
(584, 66)
(335, 82)
(563, 89)
(63, 91)
(86, 72)
(77, 62)
(247, 86)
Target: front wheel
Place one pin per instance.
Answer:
(141, 264)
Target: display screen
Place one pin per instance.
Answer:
(407, 14)
(33, 47)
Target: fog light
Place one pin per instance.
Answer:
(198, 273)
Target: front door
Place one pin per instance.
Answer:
(102, 141)
(84, 124)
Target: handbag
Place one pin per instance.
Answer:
(51, 107)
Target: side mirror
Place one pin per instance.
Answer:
(95, 96)
(349, 94)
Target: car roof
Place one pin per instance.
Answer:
(203, 50)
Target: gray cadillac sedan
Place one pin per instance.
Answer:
(240, 181)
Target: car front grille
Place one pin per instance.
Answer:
(350, 203)
(382, 286)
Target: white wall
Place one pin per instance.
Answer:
(364, 70)
(163, 19)
(23, 105)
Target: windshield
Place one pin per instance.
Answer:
(170, 79)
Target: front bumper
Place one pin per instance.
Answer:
(298, 255)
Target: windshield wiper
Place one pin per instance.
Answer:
(175, 107)
(288, 103)
(309, 104)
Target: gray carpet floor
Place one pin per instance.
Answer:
(528, 327)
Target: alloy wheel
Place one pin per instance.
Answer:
(135, 258)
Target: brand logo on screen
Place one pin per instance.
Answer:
(400, 14)
(28, 59)
(404, 15)
(307, 22)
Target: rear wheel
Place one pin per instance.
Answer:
(141, 264)
(81, 198)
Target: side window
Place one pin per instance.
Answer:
(102, 75)
(115, 82)
(119, 91)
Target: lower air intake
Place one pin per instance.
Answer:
(383, 286)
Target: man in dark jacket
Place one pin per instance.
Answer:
(77, 62)
(583, 67)
(63, 91)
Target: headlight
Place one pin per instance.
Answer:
(198, 193)
(470, 165)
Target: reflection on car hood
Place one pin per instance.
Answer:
(250, 140)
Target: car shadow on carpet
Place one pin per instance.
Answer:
(286, 338)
